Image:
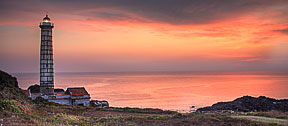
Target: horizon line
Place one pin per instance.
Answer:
(159, 72)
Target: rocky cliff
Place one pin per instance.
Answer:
(249, 104)
(9, 88)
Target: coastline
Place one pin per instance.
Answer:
(168, 91)
(17, 109)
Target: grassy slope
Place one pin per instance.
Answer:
(264, 119)
(73, 115)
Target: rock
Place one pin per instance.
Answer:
(9, 88)
(7, 80)
(34, 88)
(249, 104)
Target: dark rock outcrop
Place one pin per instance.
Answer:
(59, 90)
(249, 104)
(9, 88)
(34, 88)
(12, 98)
(7, 81)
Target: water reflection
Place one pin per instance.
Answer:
(168, 91)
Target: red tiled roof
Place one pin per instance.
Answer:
(78, 91)
(26, 92)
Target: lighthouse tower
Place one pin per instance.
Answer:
(46, 57)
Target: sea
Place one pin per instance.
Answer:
(177, 91)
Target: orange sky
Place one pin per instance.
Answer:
(97, 36)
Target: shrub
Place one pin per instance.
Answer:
(10, 105)
(42, 101)
(137, 110)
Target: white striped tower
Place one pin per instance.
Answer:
(46, 57)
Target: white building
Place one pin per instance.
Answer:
(72, 96)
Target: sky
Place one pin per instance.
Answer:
(147, 35)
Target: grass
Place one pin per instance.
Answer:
(170, 119)
(44, 102)
(10, 105)
(43, 113)
(137, 110)
(272, 114)
(264, 119)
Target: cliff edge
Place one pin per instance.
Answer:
(9, 88)
(249, 104)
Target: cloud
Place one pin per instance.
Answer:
(200, 34)
(285, 31)
(165, 11)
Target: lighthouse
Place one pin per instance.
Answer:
(72, 96)
(46, 57)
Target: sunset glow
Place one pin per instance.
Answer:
(113, 36)
(144, 62)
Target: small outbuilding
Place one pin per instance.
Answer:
(78, 96)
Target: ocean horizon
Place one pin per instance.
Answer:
(168, 90)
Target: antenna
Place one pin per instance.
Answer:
(46, 13)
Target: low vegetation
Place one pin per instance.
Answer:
(79, 115)
(137, 110)
(264, 119)
(10, 105)
(44, 102)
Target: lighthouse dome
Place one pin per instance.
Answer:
(46, 19)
